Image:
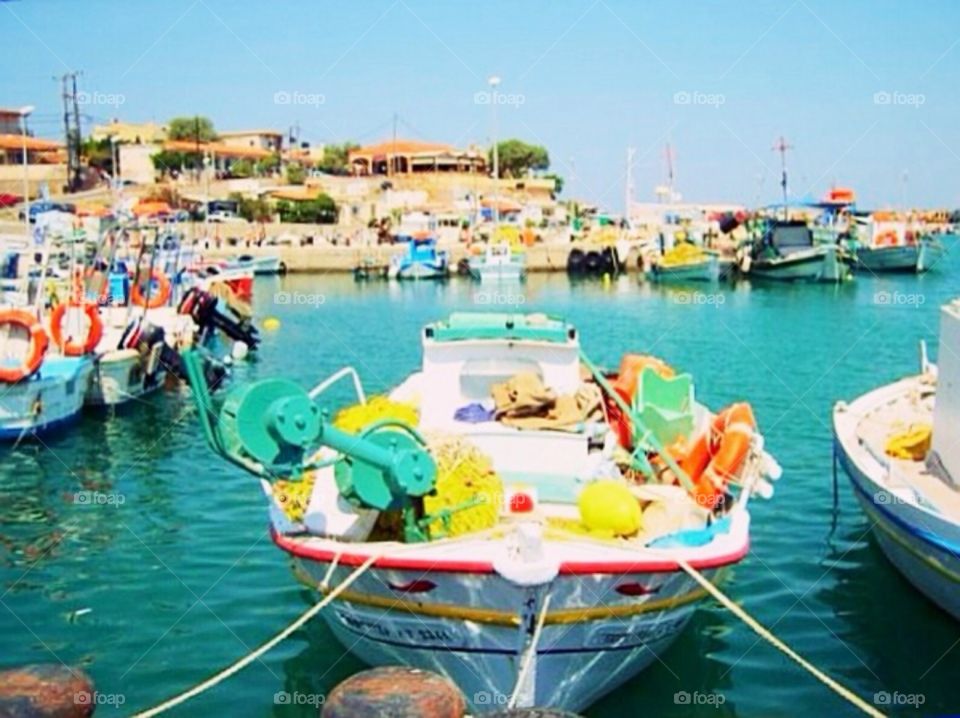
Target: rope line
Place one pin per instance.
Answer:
(841, 690)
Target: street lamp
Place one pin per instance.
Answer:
(494, 81)
(24, 113)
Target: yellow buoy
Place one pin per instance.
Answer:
(608, 506)
(271, 323)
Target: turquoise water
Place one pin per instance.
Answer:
(182, 579)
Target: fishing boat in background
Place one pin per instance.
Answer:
(497, 262)
(421, 260)
(885, 242)
(41, 391)
(785, 251)
(261, 265)
(685, 263)
(522, 514)
(900, 446)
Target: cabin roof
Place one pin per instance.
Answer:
(465, 326)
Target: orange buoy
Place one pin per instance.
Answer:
(38, 345)
(73, 347)
(886, 239)
(718, 453)
(156, 300)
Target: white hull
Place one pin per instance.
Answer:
(818, 264)
(122, 375)
(922, 543)
(487, 272)
(49, 399)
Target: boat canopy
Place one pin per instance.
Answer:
(465, 326)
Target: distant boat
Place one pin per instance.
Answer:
(498, 262)
(422, 260)
(686, 263)
(786, 252)
(900, 446)
(892, 246)
(260, 265)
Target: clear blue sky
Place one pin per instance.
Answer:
(595, 76)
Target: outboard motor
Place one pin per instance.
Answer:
(204, 308)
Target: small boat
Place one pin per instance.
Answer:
(41, 392)
(260, 265)
(890, 245)
(786, 252)
(516, 516)
(422, 260)
(900, 447)
(685, 263)
(497, 262)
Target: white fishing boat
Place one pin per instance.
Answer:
(497, 263)
(786, 252)
(515, 508)
(900, 446)
(39, 392)
(891, 245)
(261, 265)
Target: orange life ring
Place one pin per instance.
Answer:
(73, 347)
(886, 239)
(718, 453)
(156, 300)
(38, 345)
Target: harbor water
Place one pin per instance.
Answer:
(177, 576)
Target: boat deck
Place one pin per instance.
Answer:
(901, 412)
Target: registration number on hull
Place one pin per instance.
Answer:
(414, 632)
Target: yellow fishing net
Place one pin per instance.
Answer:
(358, 417)
(683, 254)
(293, 495)
(464, 473)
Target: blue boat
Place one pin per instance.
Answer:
(49, 399)
(422, 260)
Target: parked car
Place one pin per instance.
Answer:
(9, 200)
(222, 217)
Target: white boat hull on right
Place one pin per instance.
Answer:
(487, 272)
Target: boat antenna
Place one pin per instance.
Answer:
(782, 148)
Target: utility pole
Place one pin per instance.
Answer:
(71, 129)
(393, 155)
(782, 148)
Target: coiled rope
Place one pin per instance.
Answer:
(768, 636)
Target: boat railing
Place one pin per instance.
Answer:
(334, 378)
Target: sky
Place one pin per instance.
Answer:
(585, 78)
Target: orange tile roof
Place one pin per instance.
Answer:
(15, 142)
(244, 133)
(296, 194)
(217, 148)
(402, 147)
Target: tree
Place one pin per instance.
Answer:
(322, 210)
(242, 168)
(193, 129)
(165, 161)
(253, 210)
(98, 153)
(557, 182)
(295, 174)
(517, 158)
(268, 165)
(336, 158)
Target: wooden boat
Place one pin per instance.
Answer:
(900, 447)
(422, 260)
(498, 576)
(890, 245)
(497, 263)
(786, 252)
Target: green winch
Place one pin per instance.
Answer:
(272, 428)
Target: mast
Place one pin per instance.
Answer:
(782, 148)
